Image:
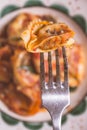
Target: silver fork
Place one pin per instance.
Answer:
(55, 95)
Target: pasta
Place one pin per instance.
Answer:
(44, 36)
(19, 69)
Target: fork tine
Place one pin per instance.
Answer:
(65, 67)
(50, 83)
(58, 82)
(42, 70)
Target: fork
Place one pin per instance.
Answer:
(55, 95)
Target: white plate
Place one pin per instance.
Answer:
(79, 94)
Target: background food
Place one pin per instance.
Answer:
(19, 70)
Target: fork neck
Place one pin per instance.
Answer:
(57, 122)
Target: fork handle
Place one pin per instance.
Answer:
(56, 118)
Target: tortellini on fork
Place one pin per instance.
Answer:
(44, 36)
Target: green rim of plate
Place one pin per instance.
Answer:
(61, 8)
(8, 119)
(81, 22)
(8, 9)
(31, 3)
(81, 108)
(33, 126)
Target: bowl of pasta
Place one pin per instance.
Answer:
(20, 94)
